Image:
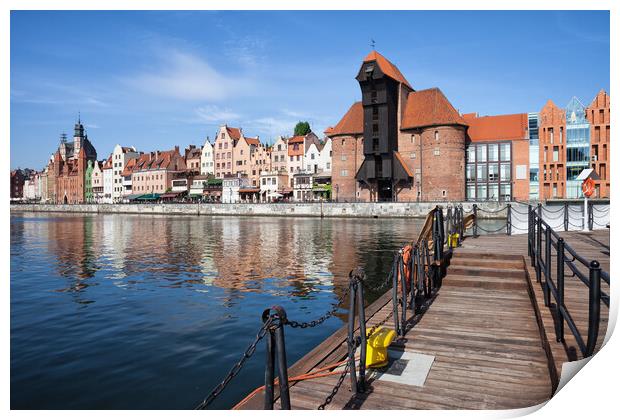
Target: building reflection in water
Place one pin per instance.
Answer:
(301, 257)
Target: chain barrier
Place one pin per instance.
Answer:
(501, 228)
(492, 211)
(546, 209)
(340, 381)
(320, 320)
(237, 367)
(600, 225)
(514, 210)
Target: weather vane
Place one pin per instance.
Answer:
(372, 43)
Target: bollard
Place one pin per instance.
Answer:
(475, 208)
(594, 307)
(508, 219)
(276, 346)
(356, 297)
(559, 332)
(403, 284)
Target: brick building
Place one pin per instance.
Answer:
(69, 167)
(17, 184)
(397, 143)
(571, 140)
(153, 172)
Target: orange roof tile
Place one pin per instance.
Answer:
(429, 107)
(251, 140)
(352, 122)
(387, 67)
(234, 133)
(296, 139)
(497, 127)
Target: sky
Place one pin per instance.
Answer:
(156, 79)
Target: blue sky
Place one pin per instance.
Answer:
(159, 79)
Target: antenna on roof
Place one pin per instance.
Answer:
(372, 43)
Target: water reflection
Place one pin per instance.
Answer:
(133, 311)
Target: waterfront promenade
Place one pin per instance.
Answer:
(489, 336)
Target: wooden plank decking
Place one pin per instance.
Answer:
(492, 339)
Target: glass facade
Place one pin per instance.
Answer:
(533, 124)
(488, 171)
(577, 146)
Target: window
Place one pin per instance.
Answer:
(312, 156)
(481, 152)
(344, 172)
(471, 172)
(555, 153)
(327, 165)
(471, 154)
(493, 172)
(471, 191)
(436, 152)
(481, 172)
(375, 113)
(505, 172)
(342, 157)
(413, 155)
(493, 191)
(504, 150)
(436, 135)
(481, 192)
(493, 152)
(444, 193)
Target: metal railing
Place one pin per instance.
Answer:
(414, 277)
(553, 280)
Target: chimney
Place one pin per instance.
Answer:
(176, 149)
(156, 154)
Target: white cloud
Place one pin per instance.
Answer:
(188, 77)
(215, 114)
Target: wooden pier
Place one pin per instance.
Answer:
(487, 328)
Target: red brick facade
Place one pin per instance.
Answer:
(598, 116)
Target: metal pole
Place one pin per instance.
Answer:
(285, 399)
(395, 292)
(475, 208)
(403, 283)
(590, 217)
(508, 220)
(547, 265)
(269, 368)
(584, 222)
(537, 254)
(565, 217)
(362, 322)
(351, 338)
(594, 307)
(559, 332)
(414, 275)
(529, 231)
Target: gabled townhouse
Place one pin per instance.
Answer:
(251, 157)
(108, 181)
(207, 164)
(225, 141)
(97, 182)
(279, 155)
(193, 156)
(152, 173)
(297, 148)
(120, 156)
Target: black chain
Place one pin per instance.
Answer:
(514, 210)
(492, 211)
(381, 286)
(492, 231)
(343, 375)
(545, 209)
(320, 320)
(237, 367)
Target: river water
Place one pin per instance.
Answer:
(150, 312)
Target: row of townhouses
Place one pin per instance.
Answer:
(396, 144)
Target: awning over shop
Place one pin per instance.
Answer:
(148, 197)
(171, 194)
(131, 197)
(249, 190)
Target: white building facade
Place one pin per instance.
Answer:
(207, 161)
(231, 186)
(120, 156)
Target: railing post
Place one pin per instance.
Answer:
(395, 292)
(351, 336)
(414, 273)
(565, 217)
(359, 276)
(590, 217)
(450, 223)
(559, 332)
(530, 231)
(508, 219)
(403, 284)
(547, 264)
(475, 208)
(537, 251)
(275, 339)
(539, 210)
(594, 307)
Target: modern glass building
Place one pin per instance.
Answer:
(488, 171)
(577, 146)
(533, 123)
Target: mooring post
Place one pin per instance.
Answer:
(508, 219)
(594, 307)
(395, 292)
(403, 284)
(351, 337)
(559, 332)
(276, 346)
(359, 276)
(269, 370)
(475, 208)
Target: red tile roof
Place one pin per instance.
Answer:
(328, 131)
(234, 133)
(497, 127)
(429, 107)
(252, 141)
(387, 67)
(351, 123)
(296, 139)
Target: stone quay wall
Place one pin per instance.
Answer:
(331, 209)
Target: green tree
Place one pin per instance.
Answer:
(302, 128)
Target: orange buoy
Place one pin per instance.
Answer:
(588, 187)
